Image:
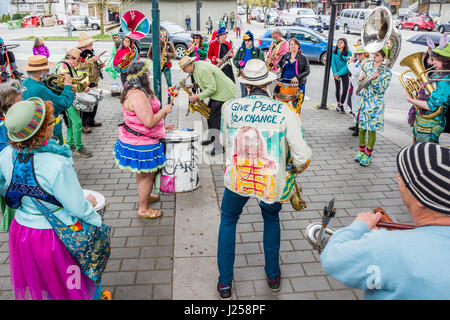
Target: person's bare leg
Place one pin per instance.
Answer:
(145, 186)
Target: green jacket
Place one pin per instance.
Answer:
(256, 54)
(202, 53)
(213, 82)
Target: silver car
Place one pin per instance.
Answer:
(77, 23)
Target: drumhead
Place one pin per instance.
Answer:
(101, 200)
(86, 97)
(180, 136)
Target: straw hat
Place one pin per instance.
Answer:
(24, 119)
(256, 73)
(84, 40)
(185, 61)
(74, 52)
(36, 63)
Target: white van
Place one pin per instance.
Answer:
(303, 12)
(352, 20)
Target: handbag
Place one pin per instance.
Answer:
(167, 183)
(90, 246)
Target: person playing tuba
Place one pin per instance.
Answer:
(429, 130)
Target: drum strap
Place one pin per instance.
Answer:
(139, 134)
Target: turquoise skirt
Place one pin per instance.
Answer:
(140, 159)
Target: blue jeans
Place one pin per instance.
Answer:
(232, 205)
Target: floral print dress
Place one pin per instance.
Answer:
(371, 105)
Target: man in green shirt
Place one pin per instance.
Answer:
(216, 86)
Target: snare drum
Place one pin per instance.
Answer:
(100, 207)
(287, 91)
(182, 162)
(84, 102)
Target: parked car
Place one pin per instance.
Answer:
(443, 27)
(288, 19)
(180, 38)
(78, 23)
(417, 23)
(61, 19)
(325, 20)
(352, 20)
(310, 23)
(254, 13)
(30, 21)
(312, 43)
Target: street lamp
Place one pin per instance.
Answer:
(156, 49)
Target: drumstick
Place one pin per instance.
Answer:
(102, 53)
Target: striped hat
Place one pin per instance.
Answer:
(425, 170)
(24, 119)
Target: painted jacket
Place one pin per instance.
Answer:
(391, 265)
(258, 133)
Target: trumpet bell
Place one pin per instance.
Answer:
(135, 24)
(377, 29)
(415, 63)
(314, 236)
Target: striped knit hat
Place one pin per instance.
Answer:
(24, 119)
(425, 170)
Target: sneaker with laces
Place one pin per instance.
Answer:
(83, 152)
(224, 292)
(359, 156)
(275, 284)
(72, 147)
(365, 160)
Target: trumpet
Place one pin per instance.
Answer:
(189, 50)
(318, 233)
(55, 82)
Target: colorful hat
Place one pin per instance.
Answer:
(221, 31)
(135, 24)
(24, 119)
(387, 51)
(359, 49)
(425, 170)
(444, 47)
(36, 63)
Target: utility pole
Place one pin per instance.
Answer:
(199, 5)
(156, 49)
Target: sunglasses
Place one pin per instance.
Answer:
(53, 122)
(70, 57)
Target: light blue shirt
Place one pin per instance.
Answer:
(391, 265)
(56, 175)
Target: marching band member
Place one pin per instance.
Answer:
(200, 47)
(169, 53)
(109, 64)
(4, 57)
(257, 141)
(354, 66)
(429, 130)
(74, 127)
(94, 65)
(294, 67)
(138, 148)
(218, 49)
(371, 105)
(246, 52)
(277, 49)
(214, 85)
(38, 68)
(125, 55)
(404, 264)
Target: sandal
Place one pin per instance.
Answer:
(153, 198)
(151, 214)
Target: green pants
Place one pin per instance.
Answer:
(168, 76)
(74, 128)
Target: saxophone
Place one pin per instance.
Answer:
(163, 58)
(226, 59)
(199, 105)
(270, 65)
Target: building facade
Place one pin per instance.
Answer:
(177, 10)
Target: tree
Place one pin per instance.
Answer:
(50, 2)
(249, 4)
(102, 5)
(265, 4)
